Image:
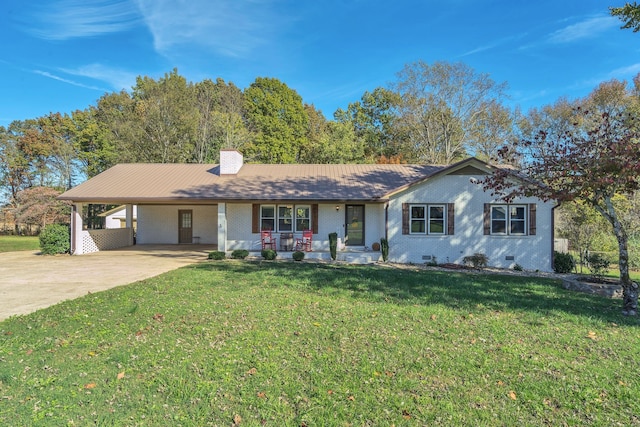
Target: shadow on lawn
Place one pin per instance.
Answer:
(460, 290)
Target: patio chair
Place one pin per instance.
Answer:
(268, 241)
(304, 243)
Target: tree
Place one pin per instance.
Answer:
(276, 115)
(630, 14)
(38, 206)
(594, 159)
(445, 110)
(166, 112)
(374, 122)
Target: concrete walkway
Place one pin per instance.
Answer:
(30, 281)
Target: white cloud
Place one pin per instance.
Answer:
(627, 72)
(68, 81)
(229, 27)
(67, 19)
(588, 28)
(116, 78)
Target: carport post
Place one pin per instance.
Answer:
(76, 229)
(222, 227)
(128, 215)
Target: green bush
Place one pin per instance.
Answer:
(598, 264)
(333, 244)
(298, 256)
(384, 248)
(240, 254)
(563, 262)
(55, 239)
(269, 254)
(217, 255)
(477, 260)
(517, 267)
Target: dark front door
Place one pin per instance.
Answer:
(185, 226)
(355, 225)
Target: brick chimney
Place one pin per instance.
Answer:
(230, 161)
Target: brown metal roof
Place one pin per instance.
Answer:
(140, 183)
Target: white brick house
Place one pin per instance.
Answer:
(427, 213)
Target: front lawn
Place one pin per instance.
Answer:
(19, 243)
(238, 343)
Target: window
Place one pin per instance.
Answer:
(303, 218)
(285, 218)
(418, 219)
(436, 219)
(427, 219)
(268, 217)
(509, 219)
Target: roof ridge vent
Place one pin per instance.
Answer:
(231, 161)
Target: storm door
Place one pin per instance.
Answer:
(354, 223)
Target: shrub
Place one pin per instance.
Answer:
(298, 256)
(598, 264)
(384, 248)
(433, 262)
(240, 254)
(333, 244)
(217, 255)
(269, 254)
(477, 260)
(517, 267)
(54, 239)
(563, 262)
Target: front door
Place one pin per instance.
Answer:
(185, 226)
(355, 225)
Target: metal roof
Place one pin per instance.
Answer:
(202, 183)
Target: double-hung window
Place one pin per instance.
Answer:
(285, 218)
(427, 219)
(509, 219)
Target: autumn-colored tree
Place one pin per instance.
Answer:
(38, 206)
(592, 160)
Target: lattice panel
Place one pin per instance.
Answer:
(101, 240)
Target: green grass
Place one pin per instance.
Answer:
(293, 344)
(19, 243)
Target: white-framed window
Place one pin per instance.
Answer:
(303, 218)
(428, 219)
(509, 219)
(268, 217)
(285, 218)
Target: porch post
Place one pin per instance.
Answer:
(128, 217)
(222, 227)
(76, 229)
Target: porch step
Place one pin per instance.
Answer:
(349, 257)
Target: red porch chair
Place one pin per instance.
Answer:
(304, 243)
(268, 241)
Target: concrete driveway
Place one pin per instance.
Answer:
(30, 281)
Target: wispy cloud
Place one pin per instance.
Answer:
(497, 43)
(118, 79)
(228, 27)
(67, 19)
(588, 28)
(68, 81)
(625, 72)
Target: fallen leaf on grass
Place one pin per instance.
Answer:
(237, 419)
(512, 395)
(406, 415)
(29, 352)
(591, 335)
(252, 371)
(158, 317)
(120, 375)
(351, 398)
(90, 386)
(262, 395)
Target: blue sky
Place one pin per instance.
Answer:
(62, 55)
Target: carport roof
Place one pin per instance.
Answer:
(202, 183)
